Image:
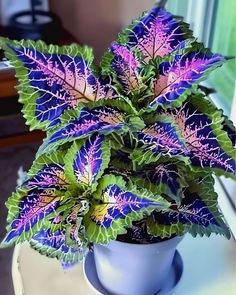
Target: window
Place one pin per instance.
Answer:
(213, 23)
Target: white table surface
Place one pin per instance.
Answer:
(209, 269)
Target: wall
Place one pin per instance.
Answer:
(97, 22)
(132, 9)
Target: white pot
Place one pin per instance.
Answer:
(134, 269)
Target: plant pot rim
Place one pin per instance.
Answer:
(152, 247)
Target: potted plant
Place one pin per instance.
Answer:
(130, 153)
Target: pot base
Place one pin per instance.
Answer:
(169, 287)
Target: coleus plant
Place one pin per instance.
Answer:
(134, 140)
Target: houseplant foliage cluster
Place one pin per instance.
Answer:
(134, 140)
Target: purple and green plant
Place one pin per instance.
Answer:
(134, 141)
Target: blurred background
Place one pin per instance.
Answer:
(97, 23)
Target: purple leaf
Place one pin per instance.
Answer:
(49, 176)
(197, 213)
(179, 75)
(157, 34)
(191, 211)
(206, 148)
(165, 175)
(54, 240)
(103, 119)
(58, 82)
(162, 137)
(55, 245)
(127, 68)
(33, 207)
(64, 236)
(88, 160)
(119, 205)
(118, 208)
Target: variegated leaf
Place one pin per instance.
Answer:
(28, 209)
(200, 124)
(162, 138)
(103, 119)
(127, 68)
(198, 213)
(86, 161)
(167, 178)
(47, 172)
(176, 77)
(156, 34)
(53, 244)
(70, 211)
(118, 207)
(63, 237)
(54, 79)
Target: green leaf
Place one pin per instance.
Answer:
(143, 156)
(136, 123)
